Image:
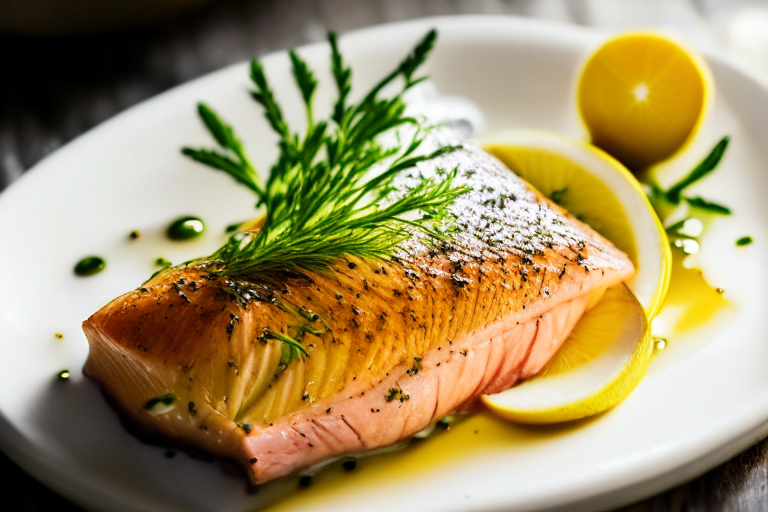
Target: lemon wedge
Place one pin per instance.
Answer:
(600, 364)
(600, 191)
(607, 353)
(642, 97)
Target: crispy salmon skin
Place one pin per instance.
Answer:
(391, 345)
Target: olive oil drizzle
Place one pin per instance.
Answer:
(185, 228)
(90, 265)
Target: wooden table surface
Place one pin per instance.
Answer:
(54, 89)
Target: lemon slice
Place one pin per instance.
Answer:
(606, 354)
(600, 191)
(600, 364)
(642, 97)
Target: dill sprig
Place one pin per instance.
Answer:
(321, 200)
(234, 160)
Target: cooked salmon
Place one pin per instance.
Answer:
(392, 346)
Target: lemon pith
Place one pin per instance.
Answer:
(604, 359)
(642, 97)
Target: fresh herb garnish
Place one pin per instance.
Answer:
(684, 233)
(234, 160)
(745, 240)
(231, 228)
(706, 166)
(712, 207)
(292, 349)
(320, 202)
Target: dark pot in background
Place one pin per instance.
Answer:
(60, 17)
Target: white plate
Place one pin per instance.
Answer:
(705, 397)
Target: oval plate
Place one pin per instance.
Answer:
(706, 395)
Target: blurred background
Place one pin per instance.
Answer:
(68, 65)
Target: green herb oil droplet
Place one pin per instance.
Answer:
(162, 262)
(185, 228)
(89, 266)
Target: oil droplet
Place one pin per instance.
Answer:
(63, 375)
(690, 302)
(162, 262)
(688, 245)
(89, 266)
(134, 234)
(660, 343)
(692, 227)
(185, 228)
(59, 336)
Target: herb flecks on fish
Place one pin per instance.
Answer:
(160, 404)
(321, 202)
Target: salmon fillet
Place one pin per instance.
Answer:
(392, 346)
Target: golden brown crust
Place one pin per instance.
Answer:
(208, 338)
